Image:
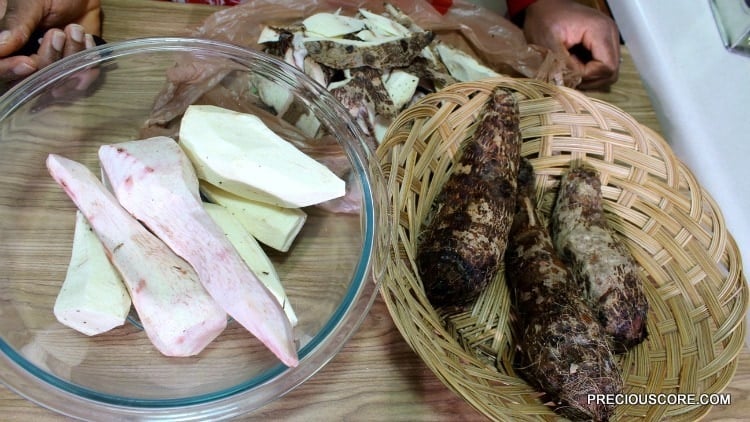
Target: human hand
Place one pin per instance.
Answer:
(589, 36)
(50, 29)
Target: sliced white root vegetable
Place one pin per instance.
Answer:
(268, 34)
(383, 26)
(308, 124)
(401, 87)
(314, 70)
(462, 66)
(274, 95)
(253, 255)
(155, 181)
(177, 314)
(366, 35)
(432, 56)
(93, 298)
(274, 226)
(332, 25)
(239, 153)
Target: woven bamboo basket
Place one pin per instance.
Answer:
(692, 268)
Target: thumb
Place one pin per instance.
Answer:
(18, 25)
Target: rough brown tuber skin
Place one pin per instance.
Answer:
(462, 247)
(601, 263)
(385, 55)
(562, 349)
(365, 83)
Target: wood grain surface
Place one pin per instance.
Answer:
(376, 377)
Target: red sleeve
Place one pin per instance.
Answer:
(441, 6)
(516, 6)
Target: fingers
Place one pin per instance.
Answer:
(20, 18)
(595, 74)
(589, 37)
(57, 44)
(50, 48)
(54, 45)
(603, 68)
(604, 42)
(75, 39)
(598, 75)
(11, 41)
(16, 67)
(18, 23)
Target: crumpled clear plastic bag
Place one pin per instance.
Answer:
(492, 38)
(488, 36)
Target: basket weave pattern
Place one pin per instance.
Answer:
(690, 264)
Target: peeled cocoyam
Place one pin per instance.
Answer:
(239, 153)
(272, 95)
(273, 226)
(366, 35)
(383, 26)
(332, 24)
(268, 34)
(463, 66)
(93, 298)
(177, 314)
(401, 87)
(252, 253)
(156, 171)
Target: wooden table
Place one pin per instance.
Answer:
(376, 377)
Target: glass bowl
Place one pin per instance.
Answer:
(130, 90)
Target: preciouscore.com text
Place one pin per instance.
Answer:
(661, 399)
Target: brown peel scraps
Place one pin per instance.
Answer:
(488, 36)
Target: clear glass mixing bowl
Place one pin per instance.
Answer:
(107, 95)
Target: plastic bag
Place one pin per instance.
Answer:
(488, 36)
